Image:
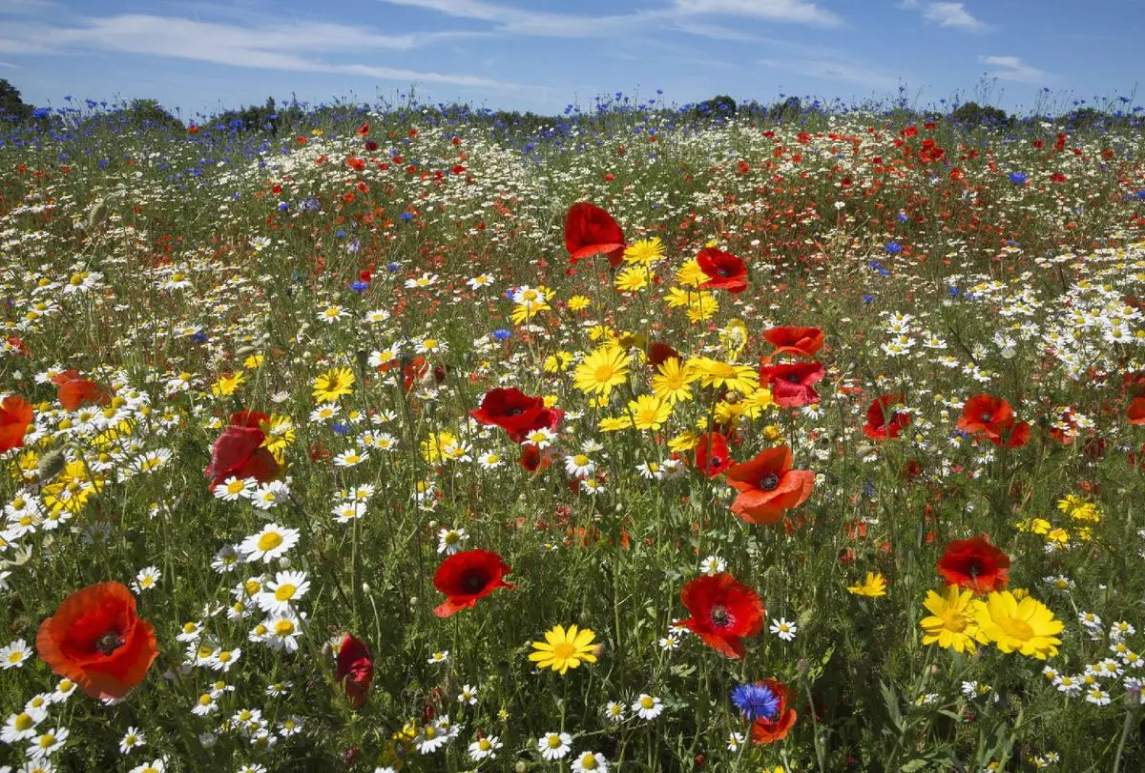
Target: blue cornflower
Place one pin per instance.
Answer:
(407, 216)
(894, 248)
(283, 206)
(359, 286)
(391, 267)
(756, 701)
(868, 299)
(953, 291)
(501, 334)
(41, 112)
(340, 428)
(1018, 178)
(199, 337)
(902, 217)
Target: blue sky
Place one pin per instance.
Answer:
(544, 54)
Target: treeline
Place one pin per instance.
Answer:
(270, 119)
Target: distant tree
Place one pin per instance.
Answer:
(1087, 118)
(12, 107)
(972, 114)
(149, 114)
(721, 106)
(786, 110)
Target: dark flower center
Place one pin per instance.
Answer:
(724, 272)
(474, 581)
(720, 617)
(986, 417)
(974, 568)
(769, 482)
(109, 642)
(793, 378)
(514, 411)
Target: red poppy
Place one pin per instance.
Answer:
(724, 270)
(724, 610)
(804, 341)
(712, 454)
(532, 459)
(468, 576)
(589, 230)
(355, 669)
(96, 640)
(791, 383)
(768, 486)
(765, 730)
(993, 418)
(974, 563)
(659, 353)
(516, 413)
(1136, 411)
(15, 416)
(883, 421)
(74, 391)
(238, 452)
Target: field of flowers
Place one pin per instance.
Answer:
(629, 442)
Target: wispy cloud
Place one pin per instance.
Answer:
(796, 11)
(946, 15)
(278, 46)
(680, 17)
(953, 15)
(1014, 69)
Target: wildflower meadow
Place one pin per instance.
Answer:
(414, 437)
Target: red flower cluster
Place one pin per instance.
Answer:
(768, 486)
(975, 564)
(589, 230)
(993, 418)
(15, 416)
(355, 669)
(468, 576)
(724, 611)
(238, 452)
(96, 640)
(516, 413)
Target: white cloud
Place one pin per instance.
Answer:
(797, 11)
(526, 21)
(278, 46)
(1014, 69)
(946, 15)
(953, 15)
(835, 70)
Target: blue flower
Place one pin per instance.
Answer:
(953, 291)
(391, 267)
(199, 337)
(340, 428)
(359, 286)
(407, 216)
(1018, 178)
(756, 701)
(283, 206)
(894, 248)
(868, 299)
(502, 334)
(902, 217)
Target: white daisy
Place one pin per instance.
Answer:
(270, 543)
